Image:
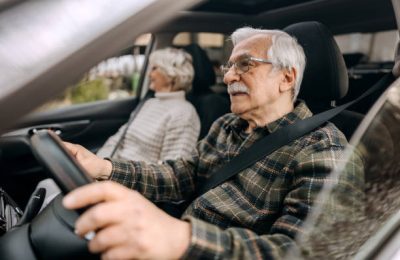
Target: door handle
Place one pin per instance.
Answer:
(56, 130)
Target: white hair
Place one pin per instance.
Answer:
(175, 64)
(285, 51)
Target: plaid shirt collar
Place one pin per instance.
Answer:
(301, 111)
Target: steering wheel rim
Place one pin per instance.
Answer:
(51, 153)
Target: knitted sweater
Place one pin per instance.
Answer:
(167, 127)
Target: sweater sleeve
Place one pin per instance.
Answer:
(180, 137)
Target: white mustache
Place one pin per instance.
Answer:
(237, 87)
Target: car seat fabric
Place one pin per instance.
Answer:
(325, 76)
(209, 105)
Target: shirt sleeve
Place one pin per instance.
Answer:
(169, 181)
(180, 137)
(311, 171)
(173, 180)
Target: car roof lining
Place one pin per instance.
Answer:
(245, 7)
(370, 15)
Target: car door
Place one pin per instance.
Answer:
(87, 124)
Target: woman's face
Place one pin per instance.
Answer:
(158, 81)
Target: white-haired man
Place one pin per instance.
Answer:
(254, 215)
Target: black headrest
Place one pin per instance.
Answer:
(204, 75)
(353, 59)
(325, 76)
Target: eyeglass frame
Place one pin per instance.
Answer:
(225, 69)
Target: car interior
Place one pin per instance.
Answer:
(209, 105)
(331, 78)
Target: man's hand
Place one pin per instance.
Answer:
(127, 225)
(96, 167)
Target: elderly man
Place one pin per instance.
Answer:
(258, 212)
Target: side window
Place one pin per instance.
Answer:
(370, 47)
(114, 78)
(368, 57)
(216, 45)
(356, 206)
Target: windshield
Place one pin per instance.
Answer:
(353, 208)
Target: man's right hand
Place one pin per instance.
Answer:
(95, 166)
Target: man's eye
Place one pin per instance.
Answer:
(243, 64)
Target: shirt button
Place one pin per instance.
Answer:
(224, 185)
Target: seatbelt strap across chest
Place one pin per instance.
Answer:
(280, 138)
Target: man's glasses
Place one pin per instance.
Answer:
(243, 64)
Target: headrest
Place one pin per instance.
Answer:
(204, 75)
(325, 76)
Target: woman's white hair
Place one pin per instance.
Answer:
(176, 64)
(285, 51)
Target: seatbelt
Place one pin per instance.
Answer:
(279, 138)
(148, 95)
(139, 106)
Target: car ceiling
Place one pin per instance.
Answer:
(341, 16)
(248, 7)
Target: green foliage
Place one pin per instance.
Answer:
(135, 82)
(88, 91)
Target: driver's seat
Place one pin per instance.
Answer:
(325, 77)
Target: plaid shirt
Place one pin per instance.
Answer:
(257, 213)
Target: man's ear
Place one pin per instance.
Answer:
(288, 79)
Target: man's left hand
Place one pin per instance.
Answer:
(127, 225)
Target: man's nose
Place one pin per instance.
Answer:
(231, 76)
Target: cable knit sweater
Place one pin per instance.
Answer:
(167, 127)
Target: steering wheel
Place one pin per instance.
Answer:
(50, 235)
(49, 150)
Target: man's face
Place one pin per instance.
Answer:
(261, 81)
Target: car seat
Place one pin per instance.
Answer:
(325, 77)
(209, 105)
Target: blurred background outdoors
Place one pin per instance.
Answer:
(118, 77)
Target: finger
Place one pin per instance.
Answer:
(105, 239)
(73, 148)
(94, 193)
(100, 216)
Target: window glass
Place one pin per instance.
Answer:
(368, 57)
(211, 40)
(353, 208)
(376, 47)
(182, 39)
(113, 78)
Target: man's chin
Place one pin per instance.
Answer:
(237, 110)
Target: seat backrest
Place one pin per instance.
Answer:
(325, 76)
(209, 105)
